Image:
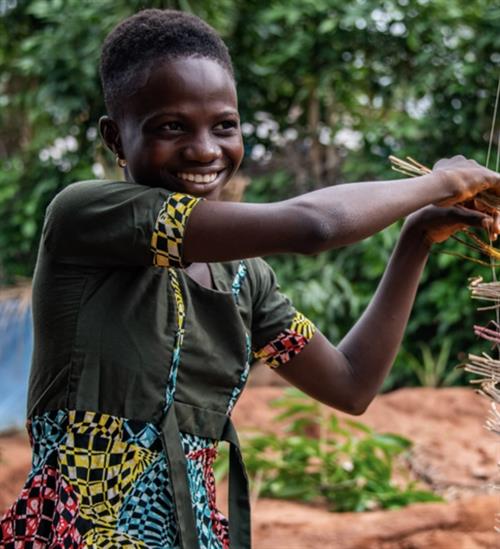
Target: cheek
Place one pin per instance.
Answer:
(236, 151)
(155, 152)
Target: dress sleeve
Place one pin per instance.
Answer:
(279, 331)
(117, 223)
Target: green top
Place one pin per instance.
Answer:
(124, 337)
(104, 316)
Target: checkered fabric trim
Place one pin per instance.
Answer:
(243, 378)
(289, 343)
(238, 280)
(147, 512)
(46, 433)
(303, 326)
(107, 538)
(141, 434)
(211, 525)
(68, 525)
(105, 484)
(99, 465)
(168, 234)
(94, 424)
(193, 443)
(179, 336)
(45, 514)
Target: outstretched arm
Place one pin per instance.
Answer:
(327, 218)
(348, 377)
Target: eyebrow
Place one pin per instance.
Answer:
(179, 114)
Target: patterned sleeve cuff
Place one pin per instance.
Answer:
(289, 343)
(168, 234)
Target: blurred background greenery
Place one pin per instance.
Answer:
(328, 89)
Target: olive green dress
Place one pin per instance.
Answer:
(135, 372)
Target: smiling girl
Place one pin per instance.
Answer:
(150, 303)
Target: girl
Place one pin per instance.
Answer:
(150, 299)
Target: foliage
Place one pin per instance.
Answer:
(406, 75)
(431, 369)
(410, 77)
(328, 89)
(343, 463)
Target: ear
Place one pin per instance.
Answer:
(110, 134)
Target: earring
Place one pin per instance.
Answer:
(121, 162)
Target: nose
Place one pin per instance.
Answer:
(203, 148)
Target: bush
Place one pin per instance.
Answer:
(342, 463)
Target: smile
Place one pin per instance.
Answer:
(198, 177)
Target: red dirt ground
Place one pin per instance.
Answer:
(452, 452)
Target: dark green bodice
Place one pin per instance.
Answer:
(122, 332)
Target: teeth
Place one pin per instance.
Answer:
(197, 178)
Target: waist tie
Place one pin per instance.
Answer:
(218, 426)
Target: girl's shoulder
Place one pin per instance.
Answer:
(77, 195)
(92, 188)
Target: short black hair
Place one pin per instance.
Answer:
(134, 45)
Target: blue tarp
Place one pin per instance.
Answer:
(16, 345)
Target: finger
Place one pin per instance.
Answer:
(453, 162)
(487, 223)
(491, 178)
(439, 163)
(490, 224)
(496, 223)
(495, 226)
(472, 218)
(481, 206)
(485, 212)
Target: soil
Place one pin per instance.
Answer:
(452, 453)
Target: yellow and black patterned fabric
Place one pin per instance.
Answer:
(288, 343)
(168, 234)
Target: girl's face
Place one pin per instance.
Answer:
(181, 131)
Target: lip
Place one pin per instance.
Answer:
(199, 189)
(202, 171)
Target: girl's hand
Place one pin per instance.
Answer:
(465, 179)
(436, 224)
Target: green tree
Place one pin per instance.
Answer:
(358, 81)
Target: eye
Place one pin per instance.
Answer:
(172, 127)
(226, 125)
